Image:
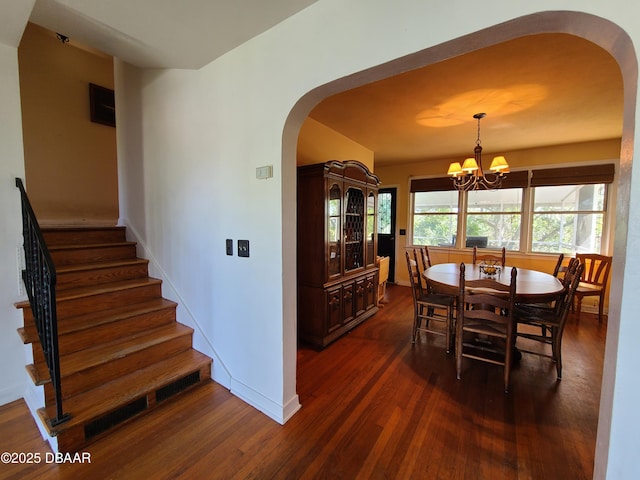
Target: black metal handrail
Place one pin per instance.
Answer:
(39, 278)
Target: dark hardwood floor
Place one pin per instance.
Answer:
(374, 407)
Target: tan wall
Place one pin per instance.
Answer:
(70, 162)
(318, 143)
(399, 176)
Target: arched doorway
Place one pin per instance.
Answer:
(594, 29)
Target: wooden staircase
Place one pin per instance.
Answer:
(121, 350)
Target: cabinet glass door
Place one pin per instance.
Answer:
(354, 219)
(371, 230)
(334, 230)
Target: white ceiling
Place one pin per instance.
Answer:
(163, 33)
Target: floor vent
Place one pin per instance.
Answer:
(112, 419)
(177, 386)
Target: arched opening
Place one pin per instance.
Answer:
(596, 30)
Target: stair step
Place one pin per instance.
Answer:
(91, 253)
(84, 331)
(121, 350)
(104, 404)
(83, 300)
(89, 368)
(79, 275)
(83, 235)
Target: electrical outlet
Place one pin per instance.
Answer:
(229, 246)
(243, 248)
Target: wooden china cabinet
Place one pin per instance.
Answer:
(337, 245)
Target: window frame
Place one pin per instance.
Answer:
(582, 174)
(521, 213)
(603, 212)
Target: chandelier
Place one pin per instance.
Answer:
(470, 175)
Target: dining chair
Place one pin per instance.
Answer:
(429, 307)
(594, 279)
(557, 269)
(426, 258)
(485, 330)
(490, 257)
(383, 277)
(563, 273)
(549, 320)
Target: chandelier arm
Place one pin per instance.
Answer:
(477, 179)
(475, 182)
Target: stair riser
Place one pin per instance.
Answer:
(106, 333)
(83, 236)
(73, 440)
(103, 301)
(75, 256)
(114, 316)
(100, 276)
(98, 375)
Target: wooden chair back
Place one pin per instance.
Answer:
(486, 307)
(426, 258)
(490, 257)
(594, 279)
(556, 270)
(596, 268)
(568, 271)
(414, 277)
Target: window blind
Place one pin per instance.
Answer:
(603, 173)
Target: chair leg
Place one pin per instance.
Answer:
(579, 306)
(458, 352)
(557, 351)
(448, 329)
(600, 308)
(415, 328)
(507, 365)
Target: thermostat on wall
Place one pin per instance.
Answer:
(264, 172)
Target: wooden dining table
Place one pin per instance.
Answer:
(532, 286)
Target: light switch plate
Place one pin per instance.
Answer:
(243, 248)
(229, 246)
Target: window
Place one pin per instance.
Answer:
(568, 218)
(435, 217)
(384, 213)
(494, 218)
(552, 210)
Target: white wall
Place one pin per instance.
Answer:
(187, 164)
(204, 132)
(12, 356)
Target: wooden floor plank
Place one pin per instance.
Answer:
(373, 406)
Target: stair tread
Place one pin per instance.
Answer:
(88, 246)
(78, 323)
(81, 228)
(79, 292)
(101, 354)
(109, 396)
(100, 265)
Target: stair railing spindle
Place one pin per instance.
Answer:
(39, 277)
